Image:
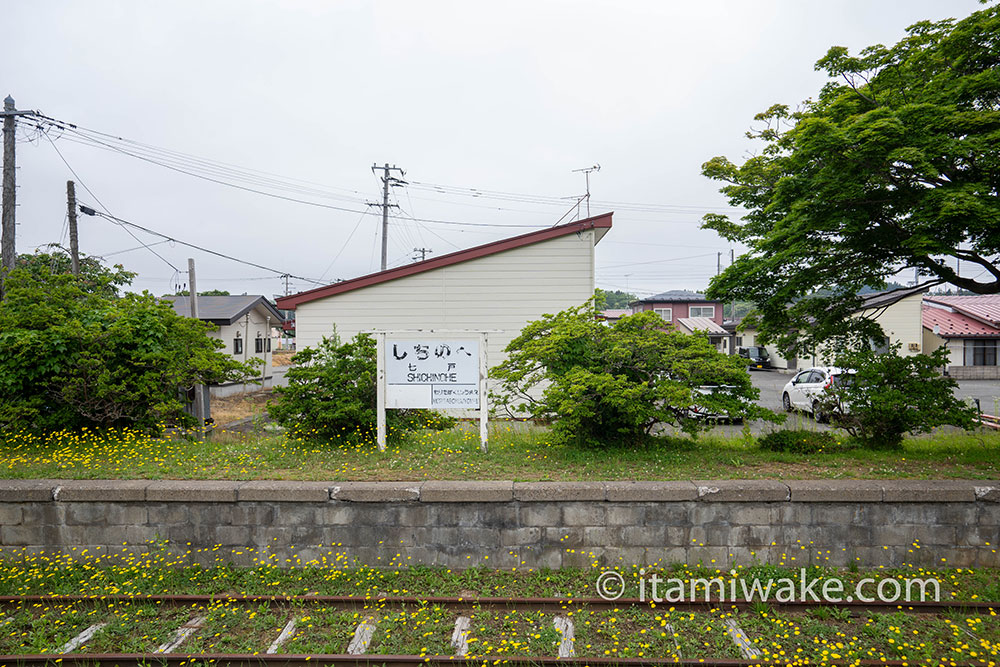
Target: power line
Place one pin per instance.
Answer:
(120, 221)
(97, 199)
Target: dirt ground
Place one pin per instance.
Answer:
(232, 408)
(281, 357)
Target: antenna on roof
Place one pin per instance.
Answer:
(586, 171)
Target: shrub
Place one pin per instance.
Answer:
(797, 441)
(890, 395)
(605, 385)
(77, 354)
(332, 393)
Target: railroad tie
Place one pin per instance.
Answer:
(183, 632)
(362, 637)
(748, 650)
(460, 636)
(286, 633)
(82, 638)
(673, 635)
(565, 628)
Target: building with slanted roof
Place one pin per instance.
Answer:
(244, 326)
(969, 328)
(689, 312)
(499, 287)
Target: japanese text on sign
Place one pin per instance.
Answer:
(432, 362)
(432, 373)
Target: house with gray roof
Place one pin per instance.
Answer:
(689, 312)
(244, 326)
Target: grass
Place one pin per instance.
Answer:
(518, 452)
(818, 635)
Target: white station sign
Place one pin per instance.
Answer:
(432, 373)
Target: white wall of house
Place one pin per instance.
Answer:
(955, 346)
(501, 292)
(902, 322)
(248, 327)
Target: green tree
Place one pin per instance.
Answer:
(605, 385)
(615, 300)
(896, 165)
(95, 277)
(331, 394)
(890, 395)
(75, 356)
(211, 292)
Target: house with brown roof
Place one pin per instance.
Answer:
(969, 328)
(497, 287)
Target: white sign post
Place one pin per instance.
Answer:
(435, 370)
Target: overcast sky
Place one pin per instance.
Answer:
(299, 99)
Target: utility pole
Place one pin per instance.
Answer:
(199, 389)
(718, 262)
(732, 260)
(387, 180)
(286, 277)
(586, 173)
(423, 253)
(74, 241)
(7, 248)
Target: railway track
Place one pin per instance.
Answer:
(345, 631)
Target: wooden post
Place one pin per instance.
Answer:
(199, 389)
(380, 380)
(74, 241)
(8, 252)
(484, 401)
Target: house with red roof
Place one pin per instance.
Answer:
(497, 287)
(969, 327)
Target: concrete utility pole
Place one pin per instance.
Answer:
(74, 241)
(387, 180)
(199, 389)
(423, 253)
(7, 248)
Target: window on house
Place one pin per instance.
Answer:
(880, 346)
(739, 341)
(267, 344)
(237, 346)
(258, 345)
(666, 313)
(980, 352)
(702, 311)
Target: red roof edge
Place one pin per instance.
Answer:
(596, 222)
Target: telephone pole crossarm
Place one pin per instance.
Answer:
(387, 180)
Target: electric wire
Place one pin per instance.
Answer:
(97, 199)
(122, 221)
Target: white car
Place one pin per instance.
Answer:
(805, 390)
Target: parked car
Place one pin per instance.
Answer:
(756, 356)
(702, 412)
(806, 390)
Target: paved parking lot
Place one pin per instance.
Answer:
(770, 384)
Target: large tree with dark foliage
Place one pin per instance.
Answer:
(896, 165)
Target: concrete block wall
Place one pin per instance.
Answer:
(506, 524)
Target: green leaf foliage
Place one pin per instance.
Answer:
(612, 299)
(895, 165)
(77, 355)
(332, 394)
(607, 385)
(891, 395)
(797, 441)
